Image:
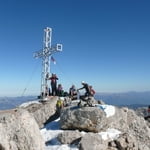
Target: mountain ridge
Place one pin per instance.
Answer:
(131, 99)
(125, 98)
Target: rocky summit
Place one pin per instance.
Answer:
(20, 127)
(19, 131)
(133, 131)
(99, 127)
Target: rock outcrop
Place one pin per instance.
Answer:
(69, 137)
(42, 111)
(143, 112)
(135, 134)
(19, 128)
(86, 119)
(107, 129)
(19, 131)
(92, 141)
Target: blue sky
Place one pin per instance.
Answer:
(105, 43)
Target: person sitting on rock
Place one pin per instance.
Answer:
(73, 92)
(59, 106)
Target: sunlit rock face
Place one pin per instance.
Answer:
(19, 131)
(41, 110)
(93, 119)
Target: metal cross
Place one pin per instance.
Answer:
(46, 54)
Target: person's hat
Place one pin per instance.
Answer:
(83, 82)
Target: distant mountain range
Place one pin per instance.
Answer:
(129, 99)
(12, 102)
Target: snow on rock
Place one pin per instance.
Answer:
(29, 103)
(75, 101)
(108, 109)
(110, 134)
(51, 130)
(61, 147)
(50, 133)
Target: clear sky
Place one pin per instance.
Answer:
(105, 43)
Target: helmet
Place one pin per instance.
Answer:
(83, 82)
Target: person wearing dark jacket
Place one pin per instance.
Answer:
(86, 87)
(60, 91)
(73, 92)
(54, 79)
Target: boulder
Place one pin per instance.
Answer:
(93, 119)
(69, 137)
(126, 121)
(91, 141)
(85, 118)
(19, 131)
(139, 129)
(125, 141)
(42, 111)
(143, 112)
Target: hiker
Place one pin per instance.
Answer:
(59, 106)
(60, 91)
(148, 113)
(87, 90)
(87, 97)
(92, 90)
(54, 79)
(73, 92)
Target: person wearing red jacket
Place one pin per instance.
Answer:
(92, 91)
(54, 79)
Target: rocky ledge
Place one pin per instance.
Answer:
(102, 127)
(132, 131)
(19, 131)
(20, 127)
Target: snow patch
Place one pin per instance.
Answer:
(29, 103)
(75, 101)
(50, 133)
(108, 109)
(110, 134)
(61, 147)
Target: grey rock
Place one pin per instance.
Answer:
(69, 137)
(127, 121)
(42, 111)
(101, 102)
(126, 141)
(138, 128)
(19, 131)
(93, 119)
(143, 112)
(86, 119)
(118, 120)
(92, 141)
